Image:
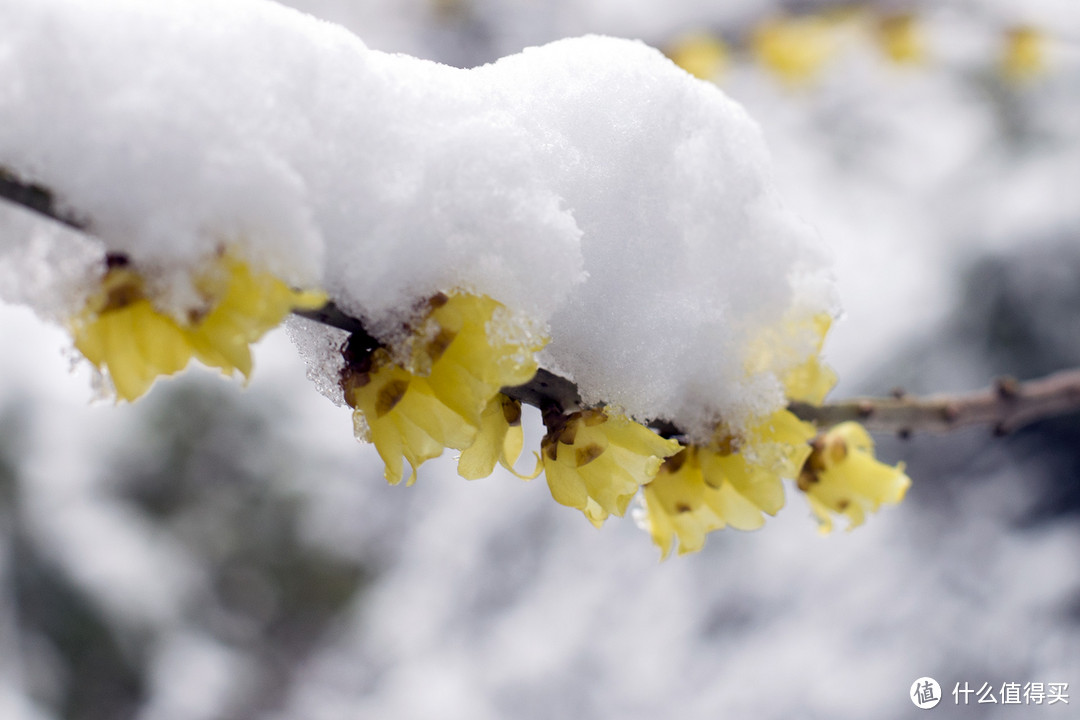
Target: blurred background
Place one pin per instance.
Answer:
(219, 552)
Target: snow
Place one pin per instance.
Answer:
(624, 206)
(504, 605)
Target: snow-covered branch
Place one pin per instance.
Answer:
(37, 198)
(1006, 407)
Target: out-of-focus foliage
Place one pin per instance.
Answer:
(207, 475)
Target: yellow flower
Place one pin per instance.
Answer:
(900, 38)
(842, 476)
(596, 460)
(400, 413)
(124, 335)
(681, 503)
(462, 353)
(249, 304)
(794, 48)
(702, 55)
(811, 380)
(499, 441)
(470, 348)
(806, 380)
(732, 483)
(1024, 54)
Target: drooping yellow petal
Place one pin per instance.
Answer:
(739, 492)
(703, 55)
(596, 460)
(734, 482)
(676, 507)
(121, 333)
(124, 335)
(842, 476)
(402, 416)
(249, 305)
(500, 440)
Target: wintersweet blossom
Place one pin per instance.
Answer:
(126, 336)
(733, 482)
(595, 461)
(843, 477)
(499, 440)
(458, 357)
(806, 379)
(794, 48)
(737, 478)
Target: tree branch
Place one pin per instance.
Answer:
(1005, 407)
(38, 199)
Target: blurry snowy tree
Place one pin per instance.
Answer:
(425, 370)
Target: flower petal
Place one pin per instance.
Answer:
(596, 460)
(842, 476)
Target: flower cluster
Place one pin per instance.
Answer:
(737, 478)
(444, 390)
(131, 340)
(797, 48)
(733, 482)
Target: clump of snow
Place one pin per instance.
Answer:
(320, 345)
(46, 265)
(590, 184)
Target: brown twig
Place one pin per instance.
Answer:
(1005, 407)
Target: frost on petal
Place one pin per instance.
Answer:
(499, 440)
(843, 477)
(596, 460)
